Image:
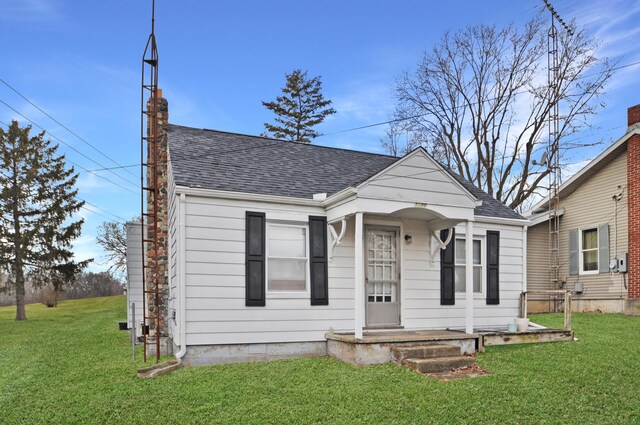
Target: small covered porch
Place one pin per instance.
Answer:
(398, 218)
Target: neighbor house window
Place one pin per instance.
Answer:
(286, 257)
(589, 250)
(461, 265)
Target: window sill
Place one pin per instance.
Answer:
(589, 273)
(476, 296)
(285, 295)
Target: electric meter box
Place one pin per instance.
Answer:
(622, 262)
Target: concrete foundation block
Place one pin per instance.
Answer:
(238, 353)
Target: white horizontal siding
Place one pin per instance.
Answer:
(417, 179)
(421, 282)
(215, 281)
(134, 271)
(174, 257)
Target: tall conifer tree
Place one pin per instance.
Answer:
(37, 202)
(300, 108)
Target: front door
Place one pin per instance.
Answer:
(382, 303)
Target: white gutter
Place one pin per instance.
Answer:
(182, 275)
(223, 194)
(500, 220)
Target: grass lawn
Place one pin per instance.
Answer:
(71, 365)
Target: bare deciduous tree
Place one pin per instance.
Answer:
(112, 237)
(480, 100)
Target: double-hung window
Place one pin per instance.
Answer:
(287, 257)
(589, 250)
(461, 265)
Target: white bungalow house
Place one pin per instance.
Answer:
(273, 245)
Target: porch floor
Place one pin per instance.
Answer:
(375, 345)
(391, 336)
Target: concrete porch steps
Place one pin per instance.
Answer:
(432, 358)
(400, 354)
(439, 364)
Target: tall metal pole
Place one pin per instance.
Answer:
(149, 159)
(553, 81)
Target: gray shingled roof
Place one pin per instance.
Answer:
(219, 160)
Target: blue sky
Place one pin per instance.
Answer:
(80, 62)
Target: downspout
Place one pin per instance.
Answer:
(182, 275)
(524, 257)
(525, 305)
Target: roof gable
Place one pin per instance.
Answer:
(418, 177)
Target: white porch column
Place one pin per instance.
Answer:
(359, 276)
(469, 277)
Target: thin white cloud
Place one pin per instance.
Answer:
(31, 11)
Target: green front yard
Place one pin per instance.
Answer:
(72, 365)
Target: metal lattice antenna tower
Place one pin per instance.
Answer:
(553, 80)
(149, 158)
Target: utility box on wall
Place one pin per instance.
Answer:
(622, 262)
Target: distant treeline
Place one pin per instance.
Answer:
(87, 285)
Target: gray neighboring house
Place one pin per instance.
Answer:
(273, 244)
(599, 232)
(134, 275)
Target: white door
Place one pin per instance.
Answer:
(382, 301)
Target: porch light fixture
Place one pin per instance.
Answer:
(407, 238)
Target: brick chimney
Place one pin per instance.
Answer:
(633, 199)
(162, 123)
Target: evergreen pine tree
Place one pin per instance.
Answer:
(300, 108)
(37, 201)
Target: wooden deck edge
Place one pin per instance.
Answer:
(547, 335)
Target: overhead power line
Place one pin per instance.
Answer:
(62, 125)
(86, 170)
(116, 168)
(449, 109)
(67, 145)
(106, 211)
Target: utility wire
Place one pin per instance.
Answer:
(115, 168)
(66, 144)
(84, 169)
(451, 109)
(106, 211)
(95, 212)
(62, 125)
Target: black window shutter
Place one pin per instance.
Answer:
(255, 259)
(448, 270)
(493, 267)
(318, 260)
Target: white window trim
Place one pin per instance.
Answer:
(581, 270)
(483, 264)
(287, 294)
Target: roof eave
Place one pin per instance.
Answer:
(586, 169)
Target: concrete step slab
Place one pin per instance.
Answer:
(400, 354)
(158, 369)
(439, 364)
